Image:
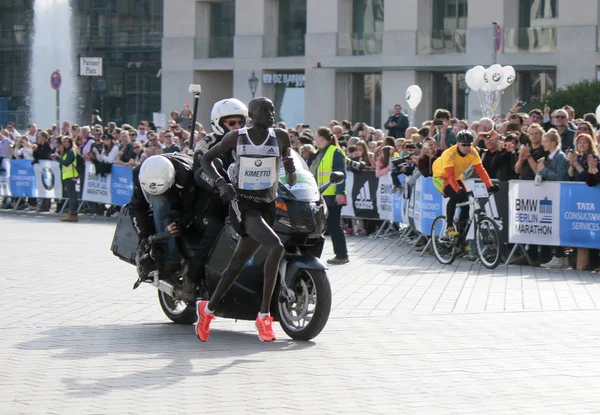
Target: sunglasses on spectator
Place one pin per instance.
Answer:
(168, 136)
(583, 127)
(137, 147)
(133, 135)
(233, 123)
(560, 116)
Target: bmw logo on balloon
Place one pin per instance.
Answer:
(47, 178)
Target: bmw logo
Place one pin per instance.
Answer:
(510, 79)
(152, 185)
(496, 77)
(258, 163)
(47, 178)
(407, 95)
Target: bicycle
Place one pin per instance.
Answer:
(486, 234)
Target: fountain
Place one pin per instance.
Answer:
(52, 49)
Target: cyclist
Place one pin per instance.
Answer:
(447, 177)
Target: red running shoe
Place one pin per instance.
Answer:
(265, 329)
(202, 326)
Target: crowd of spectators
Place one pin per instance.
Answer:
(547, 144)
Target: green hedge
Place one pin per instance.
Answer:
(583, 96)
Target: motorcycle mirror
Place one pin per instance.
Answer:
(337, 177)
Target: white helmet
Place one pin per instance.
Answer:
(157, 175)
(229, 107)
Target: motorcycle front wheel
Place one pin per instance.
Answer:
(179, 312)
(305, 316)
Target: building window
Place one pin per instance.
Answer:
(292, 28)
(537, 28)
(449, 92)
(222, 29)
(367, 98)
(448, 34)
(367, 27)
(533, 86)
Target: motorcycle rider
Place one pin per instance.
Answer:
(163, 185)
(252, 191)
(226, 115)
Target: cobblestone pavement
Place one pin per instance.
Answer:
(406, 336)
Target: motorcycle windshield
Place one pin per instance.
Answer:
(305, 189)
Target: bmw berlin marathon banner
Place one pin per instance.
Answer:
(554, 213)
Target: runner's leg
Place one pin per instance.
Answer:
(259, 230)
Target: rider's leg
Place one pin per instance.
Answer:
(451, 206)
(161, 209)
(259, 230)
(211, 229)
(246, 248)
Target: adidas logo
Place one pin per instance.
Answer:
(271, 151)
(363, 199)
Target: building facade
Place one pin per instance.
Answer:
(126, 34)
(353, 59)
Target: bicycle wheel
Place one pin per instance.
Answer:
(487, 241)
(443, 246)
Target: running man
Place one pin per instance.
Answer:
(254, 177)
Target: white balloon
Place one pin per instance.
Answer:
(477, 81)
(486, 87)
(413, 95)
(494, 75)
(598, 112)
(469, 78)
(509, 75)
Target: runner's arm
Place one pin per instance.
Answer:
(228, 143)
(283, 139)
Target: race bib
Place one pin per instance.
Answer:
(257, 173)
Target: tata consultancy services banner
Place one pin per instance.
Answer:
(121, 184)
(579, 215)
(22, 178)
(48, 182)
(534, 213)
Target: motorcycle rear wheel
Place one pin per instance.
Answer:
(177, 311)
(306, 316)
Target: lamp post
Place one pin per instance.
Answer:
(253, 83)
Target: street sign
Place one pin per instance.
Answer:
(55, 80)
(498, 37)
(90, 66)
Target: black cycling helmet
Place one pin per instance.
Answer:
(465, 137)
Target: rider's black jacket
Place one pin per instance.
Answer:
(181, 196)
(211, 205)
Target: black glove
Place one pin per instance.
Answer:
(462, 193)
(144, 246)
(494, 188)
(226, 191)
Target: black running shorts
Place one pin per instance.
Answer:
(241, 208)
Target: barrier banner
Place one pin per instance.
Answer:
(385, 198)
(48, 183)
(348, 210)
(22, 178)
(121, 185)
(96, 188)
(534, 213)
(364, 195)
(5, 178)
(579, 217)
(432, 204)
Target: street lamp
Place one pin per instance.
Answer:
(253, 83)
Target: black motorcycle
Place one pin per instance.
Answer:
(302, 299)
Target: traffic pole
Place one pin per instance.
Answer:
(58, 110)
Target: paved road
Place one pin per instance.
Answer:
(405, 336)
